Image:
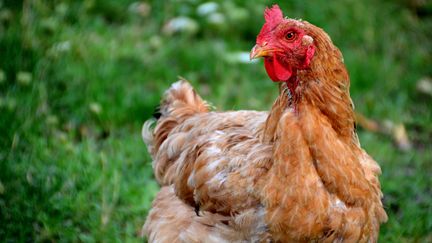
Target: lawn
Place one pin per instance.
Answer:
(79, 78)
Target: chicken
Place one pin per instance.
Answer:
(294, 174)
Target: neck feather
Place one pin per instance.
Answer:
(326, 86)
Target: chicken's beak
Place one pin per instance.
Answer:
(260, 51)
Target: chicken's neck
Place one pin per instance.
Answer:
(289, 88)
(326, 86)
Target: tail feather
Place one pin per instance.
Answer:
(147, 134)
(180, 102)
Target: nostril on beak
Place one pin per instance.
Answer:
(260, 50)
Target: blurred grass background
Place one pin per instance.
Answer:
(78, 79)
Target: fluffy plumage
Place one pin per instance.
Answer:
(294, 174)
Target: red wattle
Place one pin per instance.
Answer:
(268, 64)
(283, 72)
(277, 71)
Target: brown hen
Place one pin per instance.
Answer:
(294, 174)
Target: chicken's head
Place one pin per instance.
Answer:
(284, 44)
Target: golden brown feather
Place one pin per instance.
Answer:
(295, 174)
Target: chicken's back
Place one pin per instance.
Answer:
(212, 163)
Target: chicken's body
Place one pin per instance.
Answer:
(295, 174)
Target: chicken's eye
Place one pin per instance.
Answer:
(290, 35)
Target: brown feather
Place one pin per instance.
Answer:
(295, 174)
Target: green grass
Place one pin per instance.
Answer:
(78, 79)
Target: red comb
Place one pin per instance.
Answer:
(273, 16)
